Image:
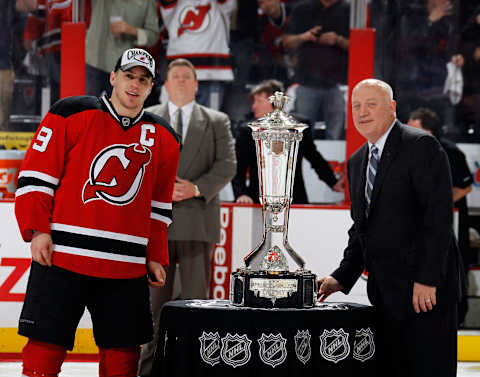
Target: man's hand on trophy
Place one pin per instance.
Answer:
(327, 285)
(244, 199)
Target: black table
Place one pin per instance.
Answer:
(213, 338)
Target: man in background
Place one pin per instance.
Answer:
(200, 31)
(247, 158)
(207, 164)
(319, 29)
(116, 25)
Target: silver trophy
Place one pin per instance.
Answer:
(266, 281)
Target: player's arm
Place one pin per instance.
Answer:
(432, 183)
(39, 176)
(161, 214)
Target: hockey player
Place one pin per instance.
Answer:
(94, 198)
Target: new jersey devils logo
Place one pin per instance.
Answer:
(194, 19)
(116, 174)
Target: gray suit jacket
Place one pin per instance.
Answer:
(208, 160)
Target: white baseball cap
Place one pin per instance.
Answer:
(135, 57)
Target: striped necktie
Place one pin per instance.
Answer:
(372, 172)
(179, 124)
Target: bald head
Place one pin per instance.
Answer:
(379, 84)
(373, 108)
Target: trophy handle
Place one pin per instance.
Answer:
(248, 259)
(297, 258)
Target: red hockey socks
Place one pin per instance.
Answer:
(42, 359)
(119, 362)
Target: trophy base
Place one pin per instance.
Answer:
(259, 289)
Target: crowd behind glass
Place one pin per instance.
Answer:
(428, 50)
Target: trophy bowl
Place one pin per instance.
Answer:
(266, 281)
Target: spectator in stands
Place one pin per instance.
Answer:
(115, 26)
(43, 35)
(462, 180)
(319, 29)
(242, 40)
(471, 72)
(199, 32)
(271, 24)
(426, 39)
(7, 75)
(247, 160)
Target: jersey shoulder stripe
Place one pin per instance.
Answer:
(73, 105)
(157, 119)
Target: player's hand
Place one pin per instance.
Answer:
(328, 285)
(244, 199)
(424, 297)
(42, 248)
(156, 274)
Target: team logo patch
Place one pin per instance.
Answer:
(125, 122)
(210, 345)
(116, 174)
(273, 350)
(303, 349)
(194, 19)
(364, 345)
(334, 345)
(235, 350)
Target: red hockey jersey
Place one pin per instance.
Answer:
(101, 185)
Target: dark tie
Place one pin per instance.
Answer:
(179, 124)
(372, 172)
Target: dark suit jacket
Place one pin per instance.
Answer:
(247, 159)
(207, 159)
(408, 235)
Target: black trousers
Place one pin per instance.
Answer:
(423, 346)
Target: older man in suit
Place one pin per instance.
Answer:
(402, 234)
(207, 164)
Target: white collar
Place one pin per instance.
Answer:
(380, 143)
(186, 110)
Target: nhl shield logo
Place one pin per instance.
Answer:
(302, 346)
(273, 350)
(334, 345)
(364, 345)
(210, 347)
(235, 350)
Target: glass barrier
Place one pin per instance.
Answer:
(428, 50)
